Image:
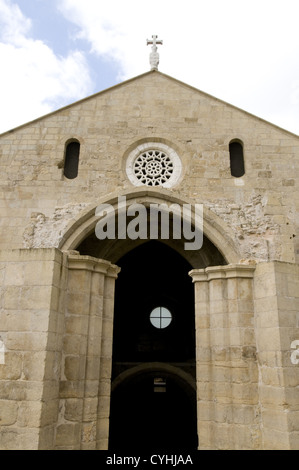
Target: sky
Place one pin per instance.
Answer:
(56, 52)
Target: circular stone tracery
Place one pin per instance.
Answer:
(153, 168)
(153, 164)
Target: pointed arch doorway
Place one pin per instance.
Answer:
(153, 278)
(154, 335)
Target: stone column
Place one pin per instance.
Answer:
(226, 365)
(103, 412)
(31, 283)
(276, 288)
(86, 365)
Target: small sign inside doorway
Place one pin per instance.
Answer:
(159, 385)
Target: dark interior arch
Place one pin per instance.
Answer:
(143, 419)
(143, 415)
(153, 275)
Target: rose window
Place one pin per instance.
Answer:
(153, 168)
(154, 164)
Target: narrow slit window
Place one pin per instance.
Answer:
(71, 163)
(236, 155)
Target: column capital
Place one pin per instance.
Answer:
(223, 272)
(89, 263)
(198, 275)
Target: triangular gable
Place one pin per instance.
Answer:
(140, 78)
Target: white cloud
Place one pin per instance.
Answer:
(235, 50)
(243, 52)
(14, 26)
(33, 79)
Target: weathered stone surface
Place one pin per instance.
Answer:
(56, 306)
(8, 412)
(68, 435)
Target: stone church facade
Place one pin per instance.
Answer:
(86, 362)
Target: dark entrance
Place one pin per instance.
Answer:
(153, 409)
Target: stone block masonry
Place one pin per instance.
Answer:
(37, 201)
(57, 305)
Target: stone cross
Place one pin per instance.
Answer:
(154, 56)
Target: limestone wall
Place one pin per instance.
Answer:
(55, 350)
(37, 201)
(31, 329)
(56, 317)
(229, 415)
(85, 380)
(247, 382)
(276, 291)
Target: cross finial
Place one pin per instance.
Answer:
(154, 56)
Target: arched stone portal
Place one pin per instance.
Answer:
(153, 274)
(211, 338)
(219, 245)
